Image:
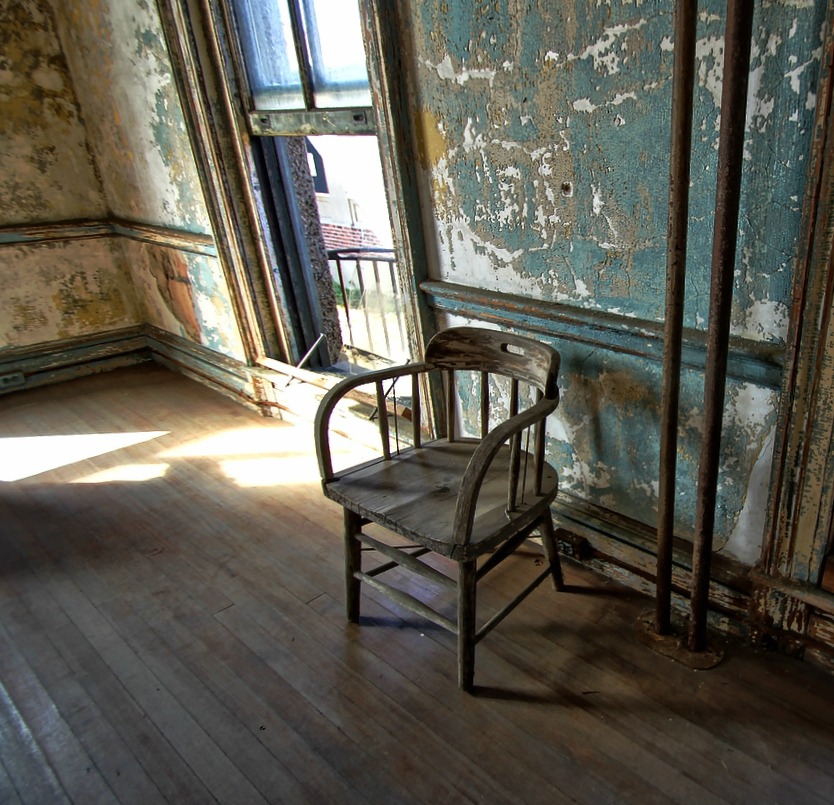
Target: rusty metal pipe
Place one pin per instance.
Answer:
(727, 200)
(683, 80)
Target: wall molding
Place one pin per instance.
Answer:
(750, 361)
(67, 359)
(90, 228)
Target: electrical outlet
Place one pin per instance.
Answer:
(12, 380)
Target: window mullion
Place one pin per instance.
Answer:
(302, 50)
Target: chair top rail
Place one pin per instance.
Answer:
(480, 349)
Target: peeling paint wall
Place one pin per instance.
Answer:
(543, 134)
(92, 128)
(64, 288)
(122, 72)
(54, 291)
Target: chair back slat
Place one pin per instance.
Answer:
(416, 412)
(451, 406)
(538, 455)
(382, 416)
(515, 452)
(479, 349)
(484, 404)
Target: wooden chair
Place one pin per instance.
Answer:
(459, 497)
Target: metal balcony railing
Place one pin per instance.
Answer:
(370, 301)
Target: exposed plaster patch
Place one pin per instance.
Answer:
(602, 52)
(709, 54)
(596, 200)
(584, 105)
(745, 541)
(763, 320)
(446, 70)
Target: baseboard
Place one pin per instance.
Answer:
(68, 359)
(793, 617)
(624, 550)
(220, 372)
(58, 361)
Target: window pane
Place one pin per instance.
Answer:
(334, 34)
(269, 53)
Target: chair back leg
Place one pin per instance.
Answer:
(353, 564)
(466, 624)
(550, 551)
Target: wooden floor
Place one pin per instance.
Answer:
(172, 630)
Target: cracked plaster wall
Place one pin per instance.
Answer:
(93, 129)
(58, 289)
(543, 134)
(122, 71)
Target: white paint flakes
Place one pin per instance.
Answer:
(745, 542)
(582, 291)
(588, 106)
(667, 45)
(584, 105)
(596, 200)
(764, 320)
(709, 55)
(603, 53)
(446, 70)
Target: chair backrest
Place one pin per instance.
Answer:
(494, 352)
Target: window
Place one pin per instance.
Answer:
(305, 58)
(304, 61)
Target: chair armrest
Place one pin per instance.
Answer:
(479, 464)
(332, 398)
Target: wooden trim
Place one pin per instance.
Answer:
(750, 361)
(798, 528)
(624, 549)
(390, 69)
(76, 229)
(226, 375)
(57, 361)
(86, 229)
(214, 114)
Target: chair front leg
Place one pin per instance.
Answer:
(353, 564)
(550, 550)
(466, 624)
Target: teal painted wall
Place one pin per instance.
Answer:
(543, 136)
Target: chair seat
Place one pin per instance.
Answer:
(415, 493)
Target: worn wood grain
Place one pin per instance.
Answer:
(220, 582)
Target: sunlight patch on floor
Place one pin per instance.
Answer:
(25, 456)
(125, 472)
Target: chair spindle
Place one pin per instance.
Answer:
(416, 413)
(382, 415)
(451, 406)
(484, 404)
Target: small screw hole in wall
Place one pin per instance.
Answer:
(567, 189)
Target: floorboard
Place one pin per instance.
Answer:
(172, 630)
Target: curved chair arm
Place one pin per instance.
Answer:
(332, 398)
(481, 459)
